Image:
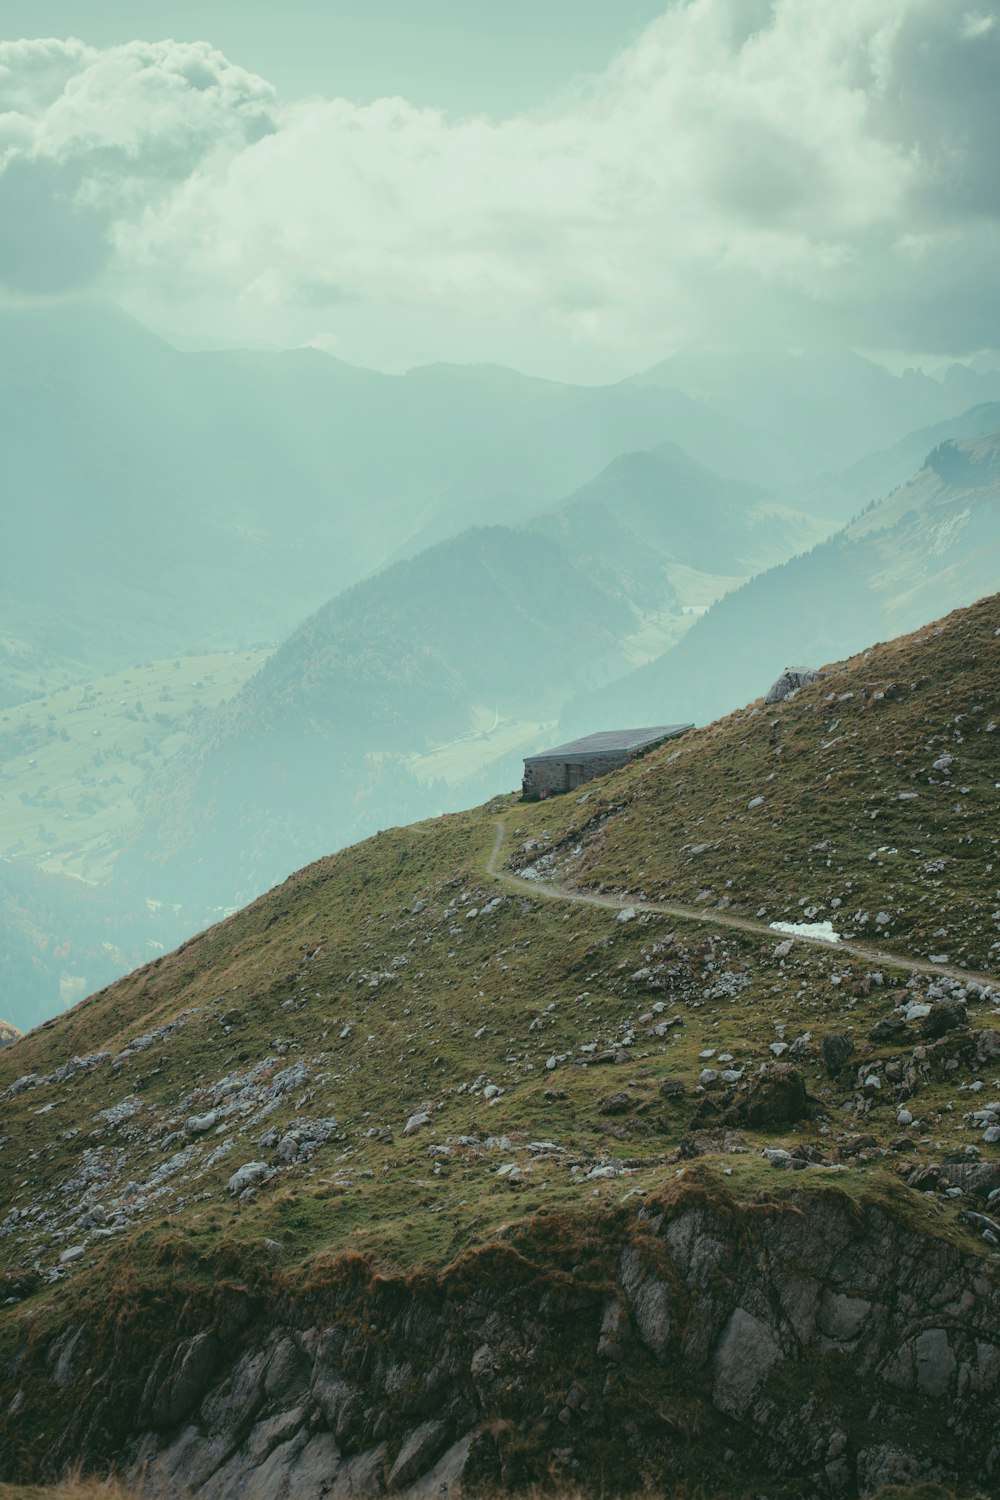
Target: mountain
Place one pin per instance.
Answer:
(163, 501)
(494, 625)
(931, 545)
(827, 408)
(314, 749)
(645, 511)
(877, 474)
(435, 1164)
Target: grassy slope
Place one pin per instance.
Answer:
(392, 1008)
(72, 761)
(855, 821)
(385, 971)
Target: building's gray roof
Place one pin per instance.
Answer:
(608, 741)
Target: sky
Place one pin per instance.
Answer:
(463, 56)
(575, 189)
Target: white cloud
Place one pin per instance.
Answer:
(975, 24)
(743, 165)
(90, 139)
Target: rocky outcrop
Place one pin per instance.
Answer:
(822, 1343)
(791, 679)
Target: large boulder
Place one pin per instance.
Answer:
(771, 1099)
(791, 679)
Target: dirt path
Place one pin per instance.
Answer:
(715, 918)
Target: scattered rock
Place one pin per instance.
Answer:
(858, 1145)
(943, 1017)
(417, 1454)
(302, 1139)
(892, 1029)
(250, 1175)
(836, 1051)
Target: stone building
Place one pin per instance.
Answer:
(570, 765)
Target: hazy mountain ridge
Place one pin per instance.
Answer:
(61, 938)
(380, 1094)
(649, 509)
(834, 406)
(166, 501)
(298, 761)
(879, 473)
(933, 544)
(513, 620)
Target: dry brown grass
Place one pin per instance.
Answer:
(70, 1489)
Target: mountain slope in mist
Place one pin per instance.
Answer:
(932, 545)
(880, 472)
(318, 748)
(645, 511)
(833, 406)
(163, 501)
(312, 753)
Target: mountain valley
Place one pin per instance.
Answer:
(936, 536)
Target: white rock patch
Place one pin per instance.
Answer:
(822, 931)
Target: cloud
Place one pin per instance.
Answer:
(745, 169)
(975, 24)
(89, 139)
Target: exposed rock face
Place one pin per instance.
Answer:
(728, 1318)
(836, 1052)
(772, 1099)
(791, 679)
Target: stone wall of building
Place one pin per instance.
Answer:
(544, 778)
